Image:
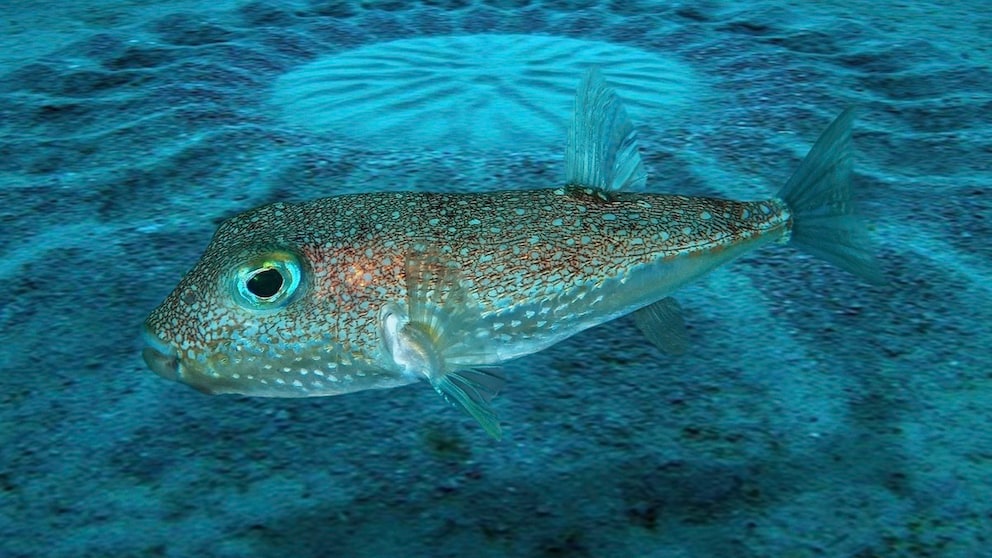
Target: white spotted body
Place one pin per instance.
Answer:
(377, 290)
(537, 266)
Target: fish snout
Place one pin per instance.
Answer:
(160, 356)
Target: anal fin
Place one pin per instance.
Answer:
(662, 324)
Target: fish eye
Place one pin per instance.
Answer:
(265, 283)
(268, 281)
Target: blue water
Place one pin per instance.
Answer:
(814, 415)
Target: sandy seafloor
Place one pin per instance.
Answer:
(814, 415)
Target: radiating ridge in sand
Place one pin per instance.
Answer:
(484, 91)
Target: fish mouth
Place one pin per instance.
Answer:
(161, 357)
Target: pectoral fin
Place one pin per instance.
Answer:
(663, 325)
(436, 297)
(472, 390)
(432, 328)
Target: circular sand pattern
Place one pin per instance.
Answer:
(475, 91)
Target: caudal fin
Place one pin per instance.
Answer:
(819, 197)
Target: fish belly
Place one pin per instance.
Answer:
(539, 322)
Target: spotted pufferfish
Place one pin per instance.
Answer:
(378, 290)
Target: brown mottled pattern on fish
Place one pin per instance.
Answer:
(550, 251)
(378, 290)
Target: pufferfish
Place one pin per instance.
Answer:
(378, 290)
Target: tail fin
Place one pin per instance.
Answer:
(819, 197)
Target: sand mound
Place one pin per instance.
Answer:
(477, 91)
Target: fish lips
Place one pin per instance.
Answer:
(161, 357)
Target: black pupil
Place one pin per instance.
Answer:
(265, 283)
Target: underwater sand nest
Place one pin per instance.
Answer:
(472, 91)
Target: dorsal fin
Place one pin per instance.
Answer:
(602, 149)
